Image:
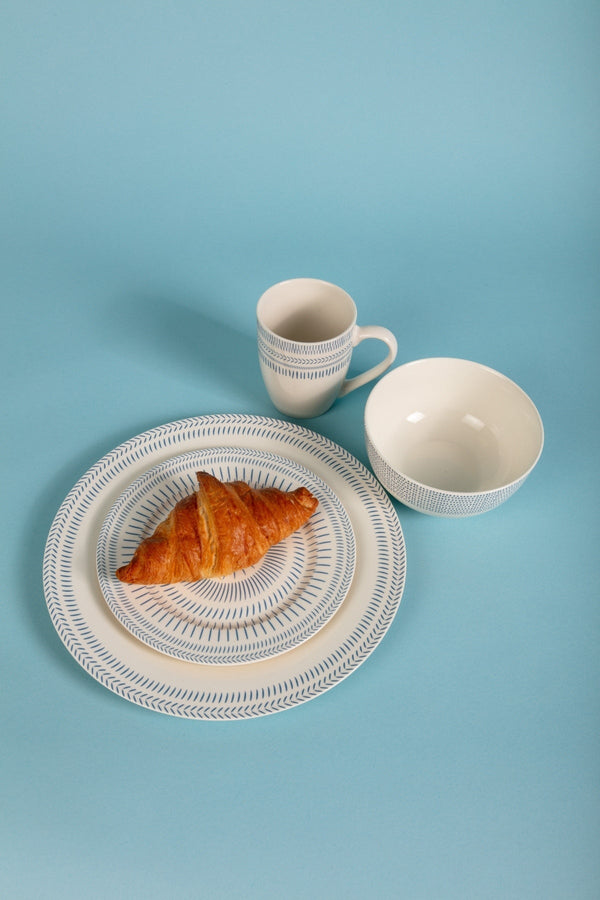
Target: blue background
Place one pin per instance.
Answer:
(161, 164)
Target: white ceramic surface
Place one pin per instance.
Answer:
(138, 673)
(252, 614)
(451, 437)
(306, 329)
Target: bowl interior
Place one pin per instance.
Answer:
(454, 425)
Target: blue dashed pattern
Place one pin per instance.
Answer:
(435, 502)
(253, 614)
(318, 360)
(127, 674)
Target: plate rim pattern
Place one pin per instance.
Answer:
(239, 652)
(145, 690)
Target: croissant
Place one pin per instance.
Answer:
(219, 529)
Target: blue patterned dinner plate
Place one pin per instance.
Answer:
(134, 671)
(254, 613)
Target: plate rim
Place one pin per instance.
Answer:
(178, 696)
(244, 654)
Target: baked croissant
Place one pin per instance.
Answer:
(219, 529)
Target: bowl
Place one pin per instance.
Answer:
(450, 437)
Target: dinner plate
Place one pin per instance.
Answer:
(254, 613)
(156, 681)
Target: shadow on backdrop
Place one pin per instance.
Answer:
(191, 340)
(192, 343)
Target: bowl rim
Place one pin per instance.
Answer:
(442, 491)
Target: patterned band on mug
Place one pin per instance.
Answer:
(316, 360)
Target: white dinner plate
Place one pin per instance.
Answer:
(137, 672)
(253, 614)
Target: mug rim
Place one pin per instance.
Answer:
(338, 338)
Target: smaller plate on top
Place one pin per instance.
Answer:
(253, 614)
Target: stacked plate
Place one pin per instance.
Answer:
(259, 641)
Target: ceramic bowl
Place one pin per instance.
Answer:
(449, 437)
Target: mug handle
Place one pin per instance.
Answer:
(361, 334)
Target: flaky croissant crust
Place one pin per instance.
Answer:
(222, 527)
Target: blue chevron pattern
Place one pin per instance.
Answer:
(317, 360)
(284, 688)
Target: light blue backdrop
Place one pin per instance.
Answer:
(160, 165)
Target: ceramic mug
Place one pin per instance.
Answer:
(306, 332)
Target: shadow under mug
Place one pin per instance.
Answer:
(306, 332)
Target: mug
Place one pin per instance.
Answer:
(306, 332)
